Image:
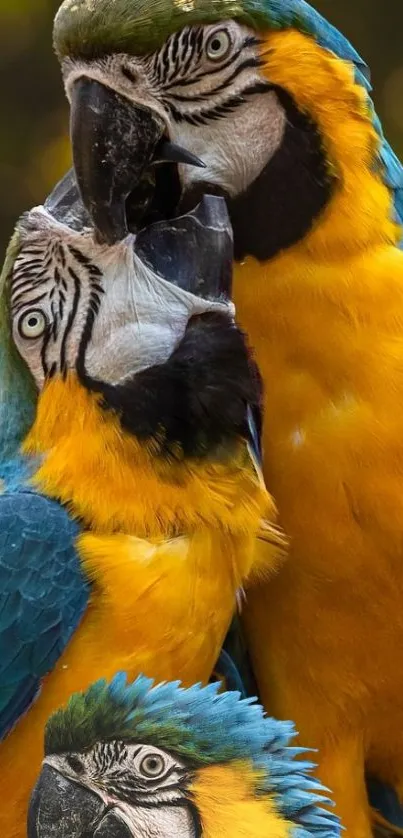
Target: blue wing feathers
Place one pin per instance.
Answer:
(43, 596)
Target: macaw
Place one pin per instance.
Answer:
(135, 759)
(132, 530)
(276, 103)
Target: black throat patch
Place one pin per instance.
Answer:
(280, 207)
(198, 403)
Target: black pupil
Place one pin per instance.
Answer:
(216, 45)
(153, 764)
(32, 322)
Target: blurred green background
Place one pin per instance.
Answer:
(34, 149)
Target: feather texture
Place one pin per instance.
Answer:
(43, 596)
(169, 541)
(329, 345)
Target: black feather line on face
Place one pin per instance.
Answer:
(198, 400)
(280, 207)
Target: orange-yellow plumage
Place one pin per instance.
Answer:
(225, 797)
(167, 547)
(326, 321)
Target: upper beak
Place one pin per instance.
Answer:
(114, 142)
(60, 808)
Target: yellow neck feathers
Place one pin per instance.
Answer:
(361, 211)
(226, 799)
(115, 483)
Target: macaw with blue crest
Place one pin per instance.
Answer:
(135, 759)
(276, 104)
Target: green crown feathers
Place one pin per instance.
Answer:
(91, 28)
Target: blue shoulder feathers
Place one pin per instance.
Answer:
(43, 596)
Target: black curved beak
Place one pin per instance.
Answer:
(114, 143)
(60, 808)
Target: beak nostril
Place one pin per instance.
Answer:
(75, 764)
(130, 74)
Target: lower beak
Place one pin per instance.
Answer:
(194, 251)
(114, 143)
(60, 808)
(202, 266)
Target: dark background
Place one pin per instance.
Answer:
(34, 148)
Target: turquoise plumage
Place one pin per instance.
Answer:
(43, 595)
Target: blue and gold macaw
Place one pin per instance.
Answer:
(275, 102)
(135, 759)
(131, 495)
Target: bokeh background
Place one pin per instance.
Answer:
(34, 148)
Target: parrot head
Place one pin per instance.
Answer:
(114, 311)
(145, 326)
(147, 323)
(261, 101)
(137, 760)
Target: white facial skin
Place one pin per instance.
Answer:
(62, 279)
(219, 69)
(142, 784)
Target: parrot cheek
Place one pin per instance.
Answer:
(154, 285)
(157, 821)
(31, 355)
(234, 149)
(131, 349)
(60, 806)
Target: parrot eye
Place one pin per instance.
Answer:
(153, 765)
(32, 324)
(218, 45)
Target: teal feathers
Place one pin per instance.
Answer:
(205, 728)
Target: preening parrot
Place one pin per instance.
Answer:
(139, 428)
(275, 102)
(137, 760)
